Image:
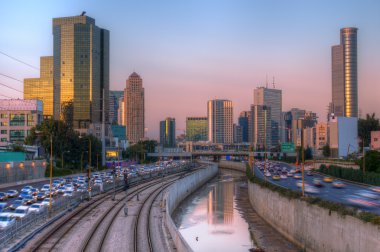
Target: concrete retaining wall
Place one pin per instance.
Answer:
(311, 227)
(21, 170)
(177, 193)
(238, 166)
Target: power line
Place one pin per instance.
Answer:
(11, 88)
(20, 61)
(10, 77)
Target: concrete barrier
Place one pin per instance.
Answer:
(177, 193)
(311, 227)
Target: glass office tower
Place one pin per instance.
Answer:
(196, 129)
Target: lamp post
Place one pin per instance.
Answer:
(89, 167)
(303, 160)
(63, 152)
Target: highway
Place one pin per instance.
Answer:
(326, 192)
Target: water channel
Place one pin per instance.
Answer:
(218, 217)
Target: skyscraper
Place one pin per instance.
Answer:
(271, 98)
(167, 133)
(260, 125)
(196, 128)
(345, 75)
(81, 70)
(243, 122)
(121, 112)
(220, 121)
(114, 105)
(42, 88)
(134, 108)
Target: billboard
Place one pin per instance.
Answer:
(287, 147)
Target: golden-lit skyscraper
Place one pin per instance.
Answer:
(134, 108)
(345, 74)
(42, 88)
(81, 70)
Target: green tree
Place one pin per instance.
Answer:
(138, 151)
(365, 126)
(372, 161)
(326, 151)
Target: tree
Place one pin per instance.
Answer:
(326, 150)
(372, 161)
(68, 113)
(138, 151)
(365, 126)
(308, 153)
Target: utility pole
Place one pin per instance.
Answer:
(303, 160)
(51, 172)
(265, 141)
(103, 132)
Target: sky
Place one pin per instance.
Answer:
(189, 52)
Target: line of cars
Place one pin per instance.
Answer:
(367, 197)
(33, 200)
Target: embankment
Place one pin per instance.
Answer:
(312, 227)
(177, 193)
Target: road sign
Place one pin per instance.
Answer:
(287, 147)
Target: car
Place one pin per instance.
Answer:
(276, 177)
(3, 206)
(375, 189)
(311, 189)
(46, 202)
(36, 208)
(23, 195)
(20, 212)
(12, 193)
(41, 196)
(290, 174)
(328, 179)
(297, 176)
(30, 199)
(338, 184)
(368, 194)
(16, 204)
(81, 189)
(309, 173)
(98, 182)
(61, 190)
(3, 196)
(34, 191)
(46, 188)
(360, 201)
(317, 182)
(26, 189)
(6, 220)
(68, 193)
(283, 176)
(268, 174)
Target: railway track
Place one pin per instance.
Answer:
(51, 241)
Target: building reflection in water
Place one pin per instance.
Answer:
(221, 203)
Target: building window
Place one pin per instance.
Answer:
(4, 116)
(4, 132)
(30, 120)
(17, 120)
(3, 140)
(375, 139)
(17, 136)
(3, 123)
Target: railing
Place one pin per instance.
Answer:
(63, 204)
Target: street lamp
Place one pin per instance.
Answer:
(51, 169)
(63, 152)
(89, 166)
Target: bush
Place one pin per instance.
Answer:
(371, 178)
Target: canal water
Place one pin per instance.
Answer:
(218, 217)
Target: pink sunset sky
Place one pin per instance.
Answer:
(189, 53)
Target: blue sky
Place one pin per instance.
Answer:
(193, 51)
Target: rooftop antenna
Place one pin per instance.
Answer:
(274, 86)
(83, 13)
(266, 85)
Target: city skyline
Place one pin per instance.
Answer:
(220, 51)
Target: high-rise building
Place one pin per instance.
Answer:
(114, 105)
(260, 125)
(134, 108)
(243, 123)
(42, 88)
(271, 98)
(17, 117)
(167, 133)
(121, 112)
(196, 129)
(81, 70)
(345, 75)
(321, 137)
(238, 133)
(220, 121)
